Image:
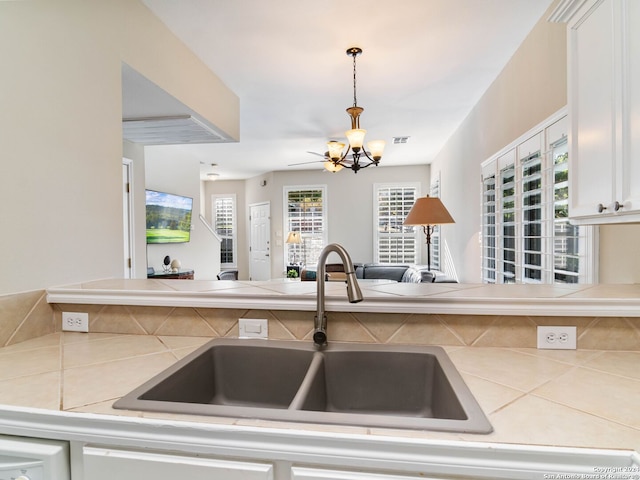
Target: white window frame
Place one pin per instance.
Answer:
(541, 140)
(436, 238)
(304, 252)
(377, 187)
(234, 234)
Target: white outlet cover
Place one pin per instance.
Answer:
(75, 322)
(253, 328)
(557, 338)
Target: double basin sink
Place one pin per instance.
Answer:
(345, 384)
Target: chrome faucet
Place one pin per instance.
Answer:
(353, 289)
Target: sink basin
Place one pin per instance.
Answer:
(346, 384)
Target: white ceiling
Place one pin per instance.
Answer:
(425, 64)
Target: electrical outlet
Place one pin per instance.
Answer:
(75, 322)
(253, 328)
(557, 338)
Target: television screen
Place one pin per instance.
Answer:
(168, 217)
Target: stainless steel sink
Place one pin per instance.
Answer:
(347, 384)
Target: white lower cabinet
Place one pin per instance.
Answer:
(110, 464)
(303, 473)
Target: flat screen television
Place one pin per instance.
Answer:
(168, 217)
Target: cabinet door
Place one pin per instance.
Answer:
(110, 464)
(630, 195)
(302, 473)
(592, 109)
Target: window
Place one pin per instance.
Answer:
(395, 242)
(526, 234)
(568, 240)
(489, 228)
(305, 213)
(435, 234)
(224, 223)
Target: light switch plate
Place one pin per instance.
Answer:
(253, 328)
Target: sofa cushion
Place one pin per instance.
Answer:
(418, 274)
(385, 271)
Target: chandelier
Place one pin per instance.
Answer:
(355, 156)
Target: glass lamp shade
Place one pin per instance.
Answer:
(356, 138)
(332, 167)
(376, 147)
(335, 150)
(428, 211)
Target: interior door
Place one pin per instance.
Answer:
(259, 247)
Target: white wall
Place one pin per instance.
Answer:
(60, 130)
(350, 206)
(236, 187)
(167, 171)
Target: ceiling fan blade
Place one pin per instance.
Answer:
(305, 163)
(323, 155)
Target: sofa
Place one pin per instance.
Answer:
(381, 271)
(401, 273)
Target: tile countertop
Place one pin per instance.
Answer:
(584, 398)
(380, 296)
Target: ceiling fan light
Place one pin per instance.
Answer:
(376, 147)
(332, 167)
(335, 150)
(356, 138)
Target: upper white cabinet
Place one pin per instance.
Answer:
(604, 108)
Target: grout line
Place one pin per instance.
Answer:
(453, 332)
(591, 414)
(26, 317)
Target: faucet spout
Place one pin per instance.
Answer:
(354, 294)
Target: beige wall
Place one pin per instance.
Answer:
(619, 253)
(531, 87)
(60, 130)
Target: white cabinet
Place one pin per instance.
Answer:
(110, 464)
(604, 109)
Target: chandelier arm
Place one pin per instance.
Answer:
(366, 154)
(344, 157)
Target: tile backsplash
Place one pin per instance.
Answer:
(24, 316)
(28, 315)
(595, 333)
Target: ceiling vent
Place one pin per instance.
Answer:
(169, 131)
(398, 140)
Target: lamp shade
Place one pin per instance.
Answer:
(428, 211)
(332, 167)
(294, 237)
(356, 138)
(376, 147)
(335, 150)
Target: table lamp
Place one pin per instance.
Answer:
(294, 237)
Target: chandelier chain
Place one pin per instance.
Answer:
(355, 100)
